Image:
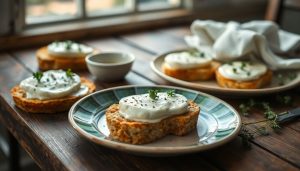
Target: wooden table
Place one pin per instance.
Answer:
(55, 145)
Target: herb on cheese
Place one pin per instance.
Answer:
(38, 76)
(153, 94)
(171, 93)
(69, 73)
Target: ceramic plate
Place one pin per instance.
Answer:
(280, 81)
(217, 124)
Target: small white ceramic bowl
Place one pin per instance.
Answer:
(109, 66)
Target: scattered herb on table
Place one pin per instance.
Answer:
(284, 99)
(38, 76)
(260, 128)
(284, 79)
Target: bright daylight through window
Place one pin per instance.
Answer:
(45, 11)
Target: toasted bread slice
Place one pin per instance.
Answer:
(253, 84)
(135, 132)
(49, 62)
(47, 106)
(193, 74)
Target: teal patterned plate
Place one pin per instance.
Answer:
(217, 124)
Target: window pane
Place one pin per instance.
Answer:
(157, 4)
(106, 7)
(50, 10)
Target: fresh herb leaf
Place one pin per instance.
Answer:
(38, 76)
(292, 76)
(171, 93)
(69, 73)
(284, 99)
(243, 66)
(68, 44)
(234, 70)
(246, 136)
(153, 94)
(260, 127)
(202, 55)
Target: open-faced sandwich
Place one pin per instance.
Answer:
(51, 92)
(189, 66)
(63, 55)
(243, 75)
(140, 119)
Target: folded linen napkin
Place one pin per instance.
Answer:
(230, 41)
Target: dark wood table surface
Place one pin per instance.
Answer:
(54, 145)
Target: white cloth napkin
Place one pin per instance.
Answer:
(230, 41)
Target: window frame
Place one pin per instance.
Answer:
(20, 22)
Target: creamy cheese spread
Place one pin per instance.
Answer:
(53, 84)
(69, 49)
(242, 71)
(187, 60)
(144, 109)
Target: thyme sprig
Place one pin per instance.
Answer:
(260, 128)
(38, 76)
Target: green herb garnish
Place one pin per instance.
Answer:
(244, 64)
(171, 93)
(153, 94)
(260, 128)
(234, 70)
(196, 53)
(292, 76)
(69, 73)
(38, 76)
(202, 55)
(68, 44)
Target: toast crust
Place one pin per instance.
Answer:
(50, 105)
(253, 84)
(193, 74)
(50, 62)
(135, 132)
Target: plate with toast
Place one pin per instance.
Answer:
(210, 79)
(206, 121)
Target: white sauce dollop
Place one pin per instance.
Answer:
(53, 84)
(144, 109)
(187, 60)
(242, 71)
(69, 49)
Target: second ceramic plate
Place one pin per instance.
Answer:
(217, 124)
(280, 81)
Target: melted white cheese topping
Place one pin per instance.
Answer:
(144, 109)
(242, 71)
(53, 84)
(68, 49)
(186, 60)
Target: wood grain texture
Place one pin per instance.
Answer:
(55, 145)
(284, 147)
